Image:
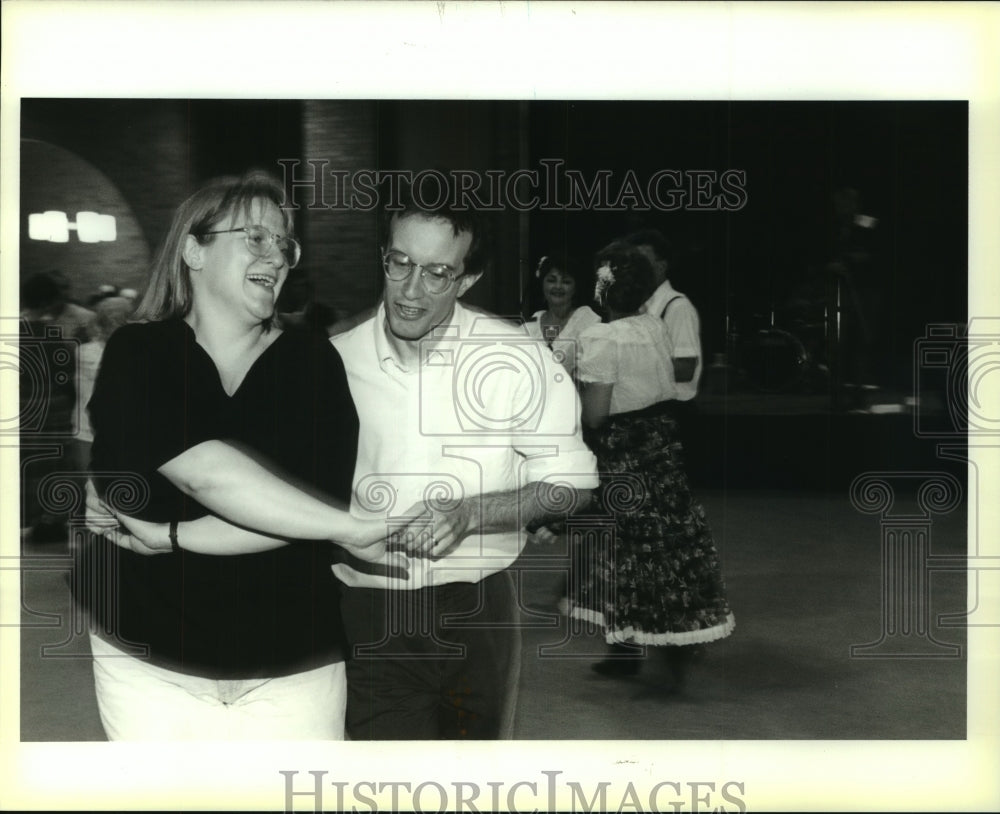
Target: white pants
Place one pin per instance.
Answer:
(139, 701)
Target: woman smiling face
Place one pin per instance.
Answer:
(558, 288)
(228, 274)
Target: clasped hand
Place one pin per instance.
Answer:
(432, 532)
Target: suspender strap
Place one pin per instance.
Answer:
(663, 313)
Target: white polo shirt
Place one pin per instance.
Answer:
(681, 333)
(487, 409)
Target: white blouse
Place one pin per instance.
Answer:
(627, 353)
(566, 345)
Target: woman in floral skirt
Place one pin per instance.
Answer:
(658, 580)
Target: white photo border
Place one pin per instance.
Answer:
(508, 50)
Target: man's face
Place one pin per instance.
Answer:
(412, 311)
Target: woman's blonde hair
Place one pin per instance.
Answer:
(168, 294)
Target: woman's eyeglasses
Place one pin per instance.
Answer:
(260, 242)
(436, 276)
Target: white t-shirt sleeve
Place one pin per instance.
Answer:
(681, 321)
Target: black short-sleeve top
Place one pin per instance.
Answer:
(157, 394)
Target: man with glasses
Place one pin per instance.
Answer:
(466, 428)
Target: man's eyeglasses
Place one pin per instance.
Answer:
(436, 276)
(260, 240)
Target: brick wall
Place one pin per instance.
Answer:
(340, 244)
(146, 155)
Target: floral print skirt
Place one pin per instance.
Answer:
(646, 567)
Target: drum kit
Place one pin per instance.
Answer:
(802, 344)
(785, 351)
(774, 360)
(798, 346)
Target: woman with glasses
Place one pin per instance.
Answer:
(215, 421)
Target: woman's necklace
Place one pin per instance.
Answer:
(551, 329)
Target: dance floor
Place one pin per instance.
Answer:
(806, 573)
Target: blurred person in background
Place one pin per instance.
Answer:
(110, 313)
(52, 328)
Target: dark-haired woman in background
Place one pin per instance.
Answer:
(559, 325)
(661, 584)
(563, 319)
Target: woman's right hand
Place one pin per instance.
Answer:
(125, 532)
